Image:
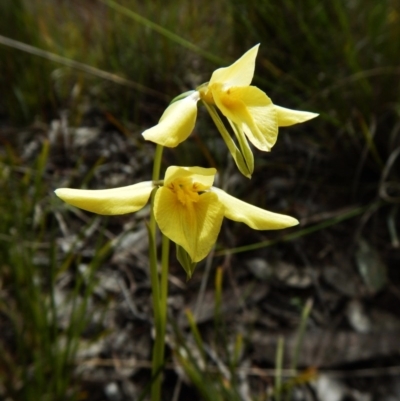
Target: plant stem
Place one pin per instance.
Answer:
(159, 286)
(161, 323)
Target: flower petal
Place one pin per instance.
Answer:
(251, 109)
(176, 124)
(240, 73)
(194, 227)
(287, 117)
(253, 216)
(263, 114)
(230, 103)
(108, 201)
(200, 175)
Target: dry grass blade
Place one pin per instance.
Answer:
(80, 66)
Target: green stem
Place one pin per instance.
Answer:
(157, 163)
(155, 287)
(161, 324)
(164, 274)
(159, 288)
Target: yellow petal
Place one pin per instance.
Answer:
(240, 73)
(200, 175)
(108, 201)
(176, 124)
(194, 227)
(263, 114)
(230, 103)
(253, 216)
(287, 117)
(252, 110)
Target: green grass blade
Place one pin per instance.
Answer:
(79, 66)
(165, 32)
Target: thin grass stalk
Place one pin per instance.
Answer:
(219, 323)
(53, 314)
(203, 285)
(40, 165)
(278, 369)
(300, 333)
(78, 311)
(237, 351)
(370, 144)
(299, 342)
(71, 328)
(15, 44)
(301, 233)
(196, 334)
(391, 224)
(35, 369)
(164, 32)
(218, 295)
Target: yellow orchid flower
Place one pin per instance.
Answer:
(187, 208)
(246, 106)
(248, 109)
